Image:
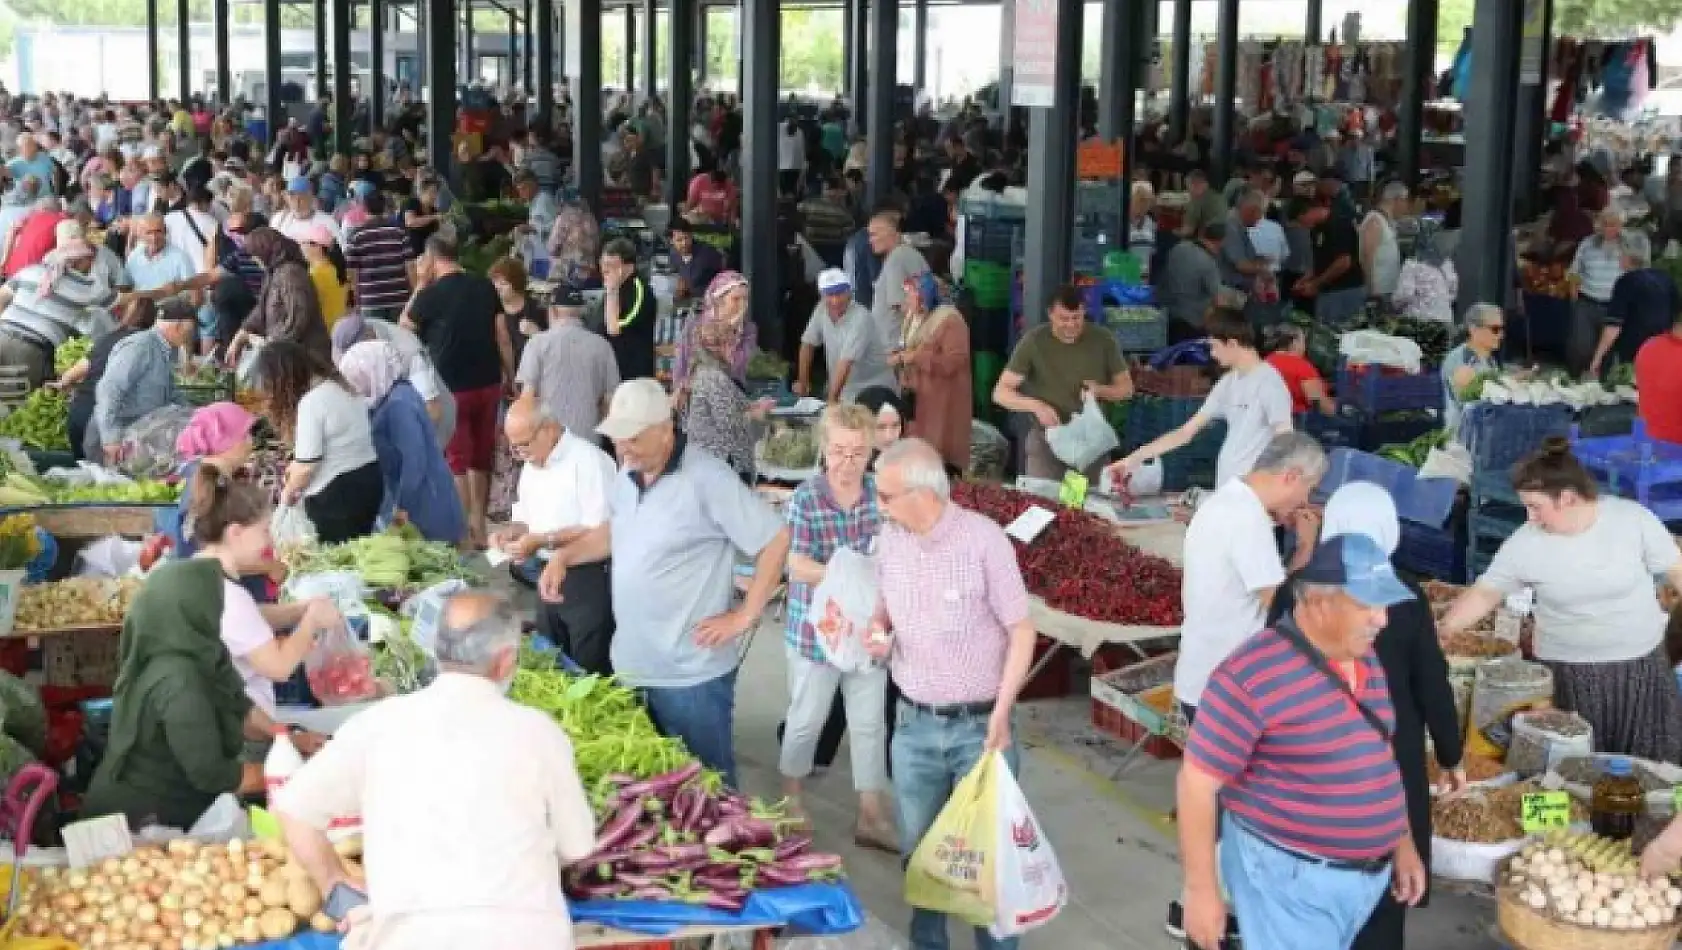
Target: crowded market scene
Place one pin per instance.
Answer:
(1236, 517)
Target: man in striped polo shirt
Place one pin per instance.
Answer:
(377, 255)
(1289, 757)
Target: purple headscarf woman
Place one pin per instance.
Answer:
(726, 299)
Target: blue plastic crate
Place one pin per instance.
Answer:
(1096, 198)
(1393, 428)
(1637, 466)
(1427, 501)
(1332, 432)
(1151, 416)
(990, 208)
(992, 241)
(1481, 525)
(1432, 552)
(1195, 463)
(1372, 389)
(1141, 336)
(1499, 436)
(1493, 487)
(1618, 419)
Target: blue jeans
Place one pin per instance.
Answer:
(931, 754)
(1334, 308)
(1285, 903)
(703, 717)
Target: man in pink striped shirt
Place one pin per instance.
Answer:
(953, 621)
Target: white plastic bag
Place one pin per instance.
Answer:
(1381, 349)
(1084, 438)
(841, 610)
(291, 528)
(1030, 889)
(110, 556)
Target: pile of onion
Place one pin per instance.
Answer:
(1551, 881)
(184, 896)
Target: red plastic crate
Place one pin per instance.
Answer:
(1113, 722)
(1056, 680)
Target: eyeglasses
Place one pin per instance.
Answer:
(1497, 329)
(856, 455)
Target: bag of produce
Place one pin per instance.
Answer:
(1545, 737)
(1084, 438)
(1028, 880)
(339, 669)
(291, 528)
(148, 446)
(1381, 349)
(1501, 689)
(841, 610)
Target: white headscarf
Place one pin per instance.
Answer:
(372, 368)
(1363, 508)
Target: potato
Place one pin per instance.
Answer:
(323, 924)
(273, 893)
(277, 923)
(303, 899)
(350, 847)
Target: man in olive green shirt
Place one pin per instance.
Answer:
(1206, 206)
(1052, 369)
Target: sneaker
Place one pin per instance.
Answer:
(1176, 925)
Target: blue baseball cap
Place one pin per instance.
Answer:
(299, 186)
(1355, 563)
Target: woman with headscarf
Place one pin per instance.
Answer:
(575, 243)
(1427, 286)
(725, 301)
(1417, 672)
(288, 307)
(718, 414)
(418, 483)
(935, 368)
(891, 414)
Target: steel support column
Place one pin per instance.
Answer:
(1418, 77)
(1125, 43)
(344, 131)
(273, 110)
(422, 57)
(1226, 90)
(701, 54)
(848, 57)
(584, 61)
(469, 55)
(1007, 57)
(528, 50)
(1051, 172)
(884, 68)
(1179, 80)
(920, 45)
(1487, 269)
(511, 75)
(761, 32)
(1531, 107)
(1313, 26)
(680, 95)
(544, 52)
(440, 44)
(630, 48)
(184, 49)
(859, 40)
(650, 48)
(377, 17)
(219, 16)
(320, 10)
(153, 81)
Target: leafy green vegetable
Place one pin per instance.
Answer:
(399, 558)
(766, 365)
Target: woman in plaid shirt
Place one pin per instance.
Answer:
(835, 509)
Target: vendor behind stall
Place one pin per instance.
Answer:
(1591, 561)
(1645, 304)
(1599, 262)
(139, 378)
(1485, 325)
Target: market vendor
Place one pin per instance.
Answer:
(418, 484)
(82, 378)
(1645, 303)
(1481, 353)
(563, 490)
(855, 354)
(335, 472)
(1598, 264)
(1591, 560)
(487, 876)
(48, 303)
(139, 378)
(679, 518)
(158, 268)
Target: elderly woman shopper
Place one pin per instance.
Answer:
(418, 483)
(288, 306)
(1598, 264)
(1481, 353)
(335, 472)
(718, 415)
(440, 403)
(1428, 284)
(724, 301)
(1417, 674)
(835, 509)
(1591, 560)
(575, 243)
(935, 369)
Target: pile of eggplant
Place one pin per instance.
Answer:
(683, 837)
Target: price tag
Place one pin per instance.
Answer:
(1072, 493)
(1676, 800)
(1030, 523)
(1544, 811)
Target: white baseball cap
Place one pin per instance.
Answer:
(638, 404)
(834, 281)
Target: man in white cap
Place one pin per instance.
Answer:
(679, 518)
(853, 349)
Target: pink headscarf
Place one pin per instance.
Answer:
(213, 430)
(746, 341)
(372, 368)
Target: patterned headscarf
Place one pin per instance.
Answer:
(708, 320)
(1428, 245)
(372, 368)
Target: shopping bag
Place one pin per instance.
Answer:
(841, 610)
(291, 528)
(951, 870)
(1084, 438)
(1029, 885)
(339, 669)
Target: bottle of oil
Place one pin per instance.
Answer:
(1617, 800)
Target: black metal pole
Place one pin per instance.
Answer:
(584, 25)
(528, 50)
(273, 109)
(440, 83)
(884, 67)
(1124, 44)
(224, 58)
(1051, 172)
(377, 16)
(680, 96)
(1007, 60)
(920, 44)
(630, 48)
(152, 78)
(1486, 274)
(469, 52)
(1226, 90)
(701, 53)
(650, 48)
(859, 40)
(1312, 27)
(320, 10)
(344, 132)
(184, 48)
(1418, 77)
(511, 77)
(761, 29)
(1531, 106)
(544, 53)
(1179, 80)
(422, 42)
(847, 53)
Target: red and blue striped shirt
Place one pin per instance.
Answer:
(1298, 762)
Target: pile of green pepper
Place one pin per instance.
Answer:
(610, 730)
(42, 422)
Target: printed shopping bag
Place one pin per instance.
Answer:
(1029, 884)
(952, 869)
(841, 610)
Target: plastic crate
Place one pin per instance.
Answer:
(198, 395)
(1637, 466)
(1426, 501)
(992, 241)
(1618, 419)
(1489, 488)
(1332, 432)
(1098, 198)
(1197, 462)
(988, 282)
(1150, 417)
(1376, 389)
(1498, 436)
(1118, 709)
(1140, 336)
(1432, 552)
(989, 208)
(1394, 428)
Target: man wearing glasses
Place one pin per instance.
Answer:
(1485, 323)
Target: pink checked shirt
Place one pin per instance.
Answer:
(951, 596)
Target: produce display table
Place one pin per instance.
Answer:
(95, 520)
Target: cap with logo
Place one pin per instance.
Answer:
(1355, 563)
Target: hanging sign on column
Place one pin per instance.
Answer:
(1034, 72)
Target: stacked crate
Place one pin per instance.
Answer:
(1635, 466)
(1498, 437)
(1388, 407)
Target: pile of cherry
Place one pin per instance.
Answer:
(1080, 566)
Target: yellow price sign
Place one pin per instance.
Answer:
(1072, 493)
(1544, 811)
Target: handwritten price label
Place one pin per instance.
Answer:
(1072, 493)
(1544, 811)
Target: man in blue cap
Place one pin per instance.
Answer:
(1289, 763)
(301, 215)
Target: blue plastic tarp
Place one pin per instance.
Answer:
(818, 909)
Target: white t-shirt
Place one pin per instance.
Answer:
(192, 244)
(569, 490)
(297, 228)
(244, 631)
(791, 149)
(1255, 405)
(1595, 600)
(1230, 557)
(333, 433)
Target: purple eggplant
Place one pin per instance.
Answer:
(792, 845)
(810, 863)
(618, 828)
(772, 876)
(727, 900)
(665, 784)
(653, 892)
(598, 891)
(640, 838)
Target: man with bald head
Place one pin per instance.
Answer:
(562, 492)
(410, 759)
